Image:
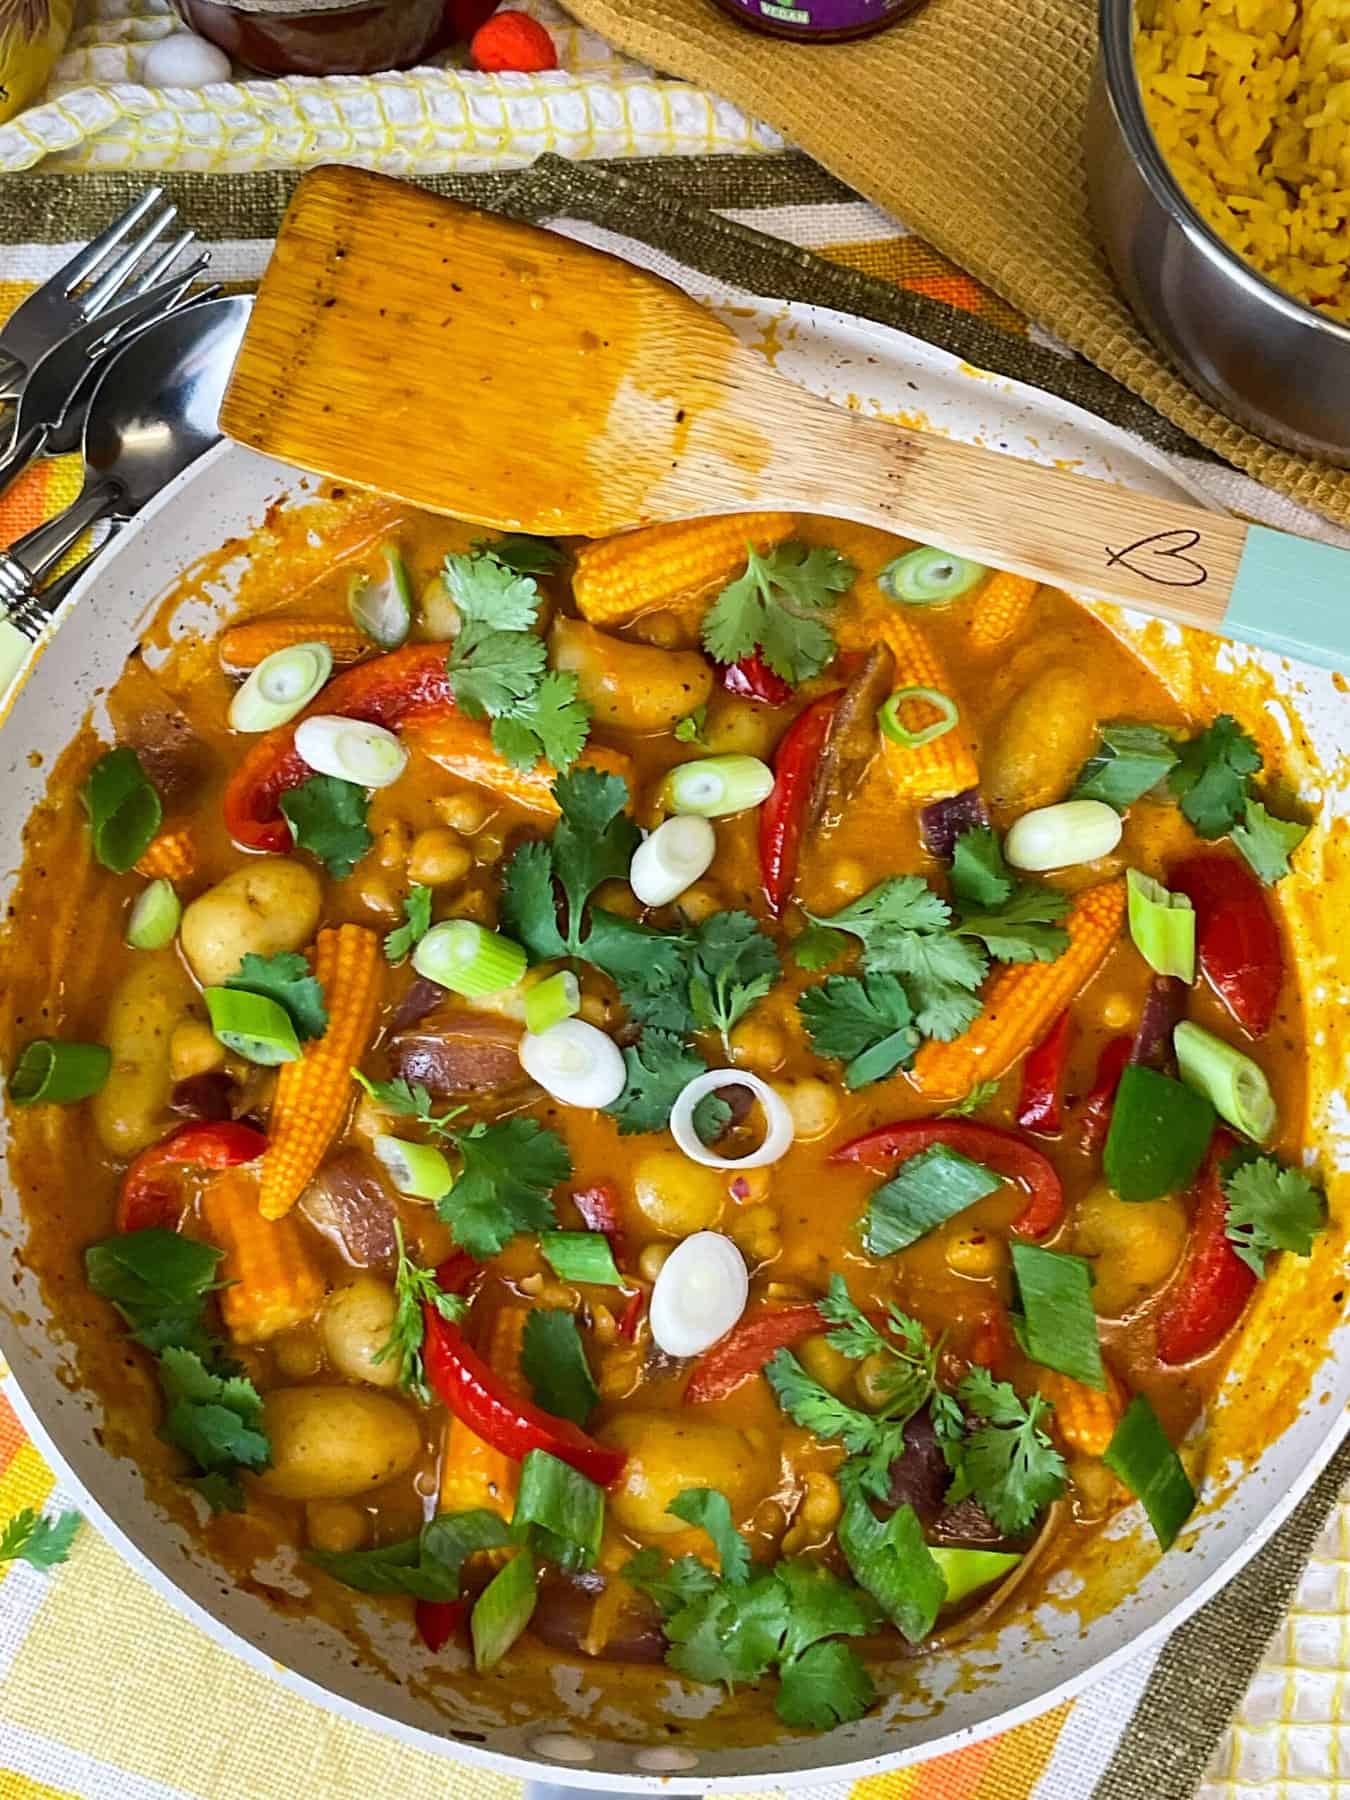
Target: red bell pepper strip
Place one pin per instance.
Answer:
(1096, 1119)
(1209, 1295)
(1236, 938)
(150, 1197)
(467, 1385)
(752, 679)
(1041, 1107)
(411, 683)
(631, 1314)
(999, 1150)
(782, 818)
(599, 1209)
(438, 1621)
(991, 1342)
(743, 1352)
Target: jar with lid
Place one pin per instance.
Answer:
(819, 21)
(322, 37)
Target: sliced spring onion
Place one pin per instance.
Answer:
(1054, 837)
(57, 1069)
(503, 1610)
(282, 685)
(154, 916)
(1128, 762)
(714, 786)
(1162, 925)
(927, 577)
(383, 608)
(699, 1295)
(418, 1170)
(575, 1063)
(779, 1128)
(1159, 1133)
(254, 1026)
(890, 1559)
(469, 959)
(558, 1500)
(894, 727)
(1141, 1454)
(671, 859)
(553, 1362)
(1236, 1086)
(551, 1001)
(368, 755)
(123, 807)
(925, 1191)
(967, 1571)
(580, 1256)
(1056, 1322)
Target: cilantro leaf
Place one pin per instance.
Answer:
(1007, 1461)
(817, 947)
(415, 926)
(891, 1562)
(730, 1634)
(689, 730)
(980, 877)
(158, 1281)
(490, 594)
(1272, 1208)
(327, 817)
(902, 906)
(1267, 842)
(1210, 778)
(550, 721)
(825, 1686)
(529, 909)
(1129, 762)
(554, 1363)
(33, 1538)
(874, 1442)
(414, 1287)
(506, 1184)
(519, 553)
(490, 674)
(867, 1023)
(1024, 928)
(593, 841)
(711, 1511)
(427, 1566)
(288, 980)
(822, 1606)
(409, 1102)
(979, 1096)
(734, 965)
(672, 1587)
(214, 1419)
(910, 1380)
(774, 608)
(659, 1067)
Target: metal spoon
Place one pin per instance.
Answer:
(154, 412)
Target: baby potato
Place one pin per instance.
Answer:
(355, 1325)
(668, 1453)
(627, 686)
(270, 905)
(1043, 739)
(329, 1443)
(146, 1009)
(1133, 1246)
(679, 1197)
(736, 727)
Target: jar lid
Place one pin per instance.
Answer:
(290, 9)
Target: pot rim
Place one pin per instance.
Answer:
(1115, 22)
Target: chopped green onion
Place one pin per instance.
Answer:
(254, 1026)
(123, 807)
(1162, 925)
(1056, 1324)
(580, 1256)
(551, 1001)
(554, 1500)
(57, 1069)
(575, 1063)
(966, 1571)
(671, 858)
(502, 1611)
(1056, 837)
(469, 959)
(154, 916)
(553, 1362)
(890, 1559)
(927, 577)
(1235, 1084)
(383, 609)
(925, 1191)
(1159, 1133)
(350, 749)
(888, 716)
(1129, 761)
(717, 785)
(1142, 1456)
(282, 685)
(418, 1170)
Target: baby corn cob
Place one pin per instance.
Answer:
(677, 567)
(1086, 1417)
(473, 1474)
(173, 855)
(274, 1283)
(1022, 999)
(244, 646)
(1000, 607)
(314, 1093)
(464, 746)
(946, 765)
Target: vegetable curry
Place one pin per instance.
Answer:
(714, 1099)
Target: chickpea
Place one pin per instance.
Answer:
(391, 845)
(439, 855)
(1117, 1011)
(474, 903)
(700, 902)
(664, 629)
(668, 1453)
(194, 1049)
(439, 615)
(847, 879)
(675, 1195)
(376, 891)
(1096, 1489)
(823, 1363)
(297, 1354)
(754, 1231)
(1133, 1246)
(550, 1293)
(356, 1323)
(653, 1259)
(618, 897)
(620, 1373)
(488, 848)
(752, 1185)
(604, 1326)
(758, 1044)
(335, 1525)
(465, 811)
(975, 1254)
(814, 1106)
(817, 1515)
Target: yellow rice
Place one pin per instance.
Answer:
(1250, 103)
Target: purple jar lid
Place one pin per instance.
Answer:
(810, 16)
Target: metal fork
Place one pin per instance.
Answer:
(108, 265)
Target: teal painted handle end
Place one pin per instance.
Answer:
(1292, 596)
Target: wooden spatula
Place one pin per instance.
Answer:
(503, 374)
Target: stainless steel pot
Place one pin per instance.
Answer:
(1259, 355)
